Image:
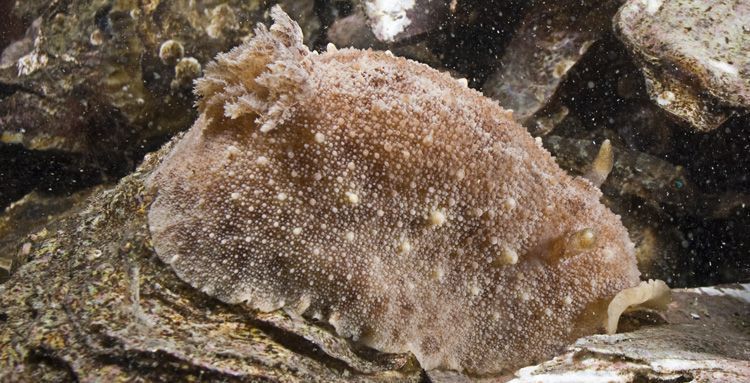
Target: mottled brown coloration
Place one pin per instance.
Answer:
(388, 199)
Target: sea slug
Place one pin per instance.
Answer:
(388, 199)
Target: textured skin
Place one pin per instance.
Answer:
(388, 199)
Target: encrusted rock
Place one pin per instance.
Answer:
(551, 39)
(98, 83)
(398, 20)
(702, 338)
(23, 226)
(694, 55)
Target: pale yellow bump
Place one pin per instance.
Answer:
(438, 274)
(330, 48)
(262, 160)
(474, 290)
(232, 151)
(297, 231)
(380, 213)
(320, 138)
(525, 296)
(351, 198)
(350, 165)
(608, 255)
(281, 196)
(509, 203)
(506, 256)
(349, 236)
(428, 139)
(234, 196)
(404, 247)
(437, 218)
(460, 174)
(584, 239)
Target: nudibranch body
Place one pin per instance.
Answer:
(388, 199)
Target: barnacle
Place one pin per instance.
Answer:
(389, 199)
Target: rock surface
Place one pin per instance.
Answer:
(396, 20)
(93, 84)
(694, 55)
(703, 337)
(551, 39)
(23, 224)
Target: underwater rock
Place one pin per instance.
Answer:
(11, 27)
(23, 225)
(701, 338)
(634, 174)
(353, 32)
(367, 191)
(51, 172)
(550, 40)
(397, 20)
(694, 55)
(87, 81)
